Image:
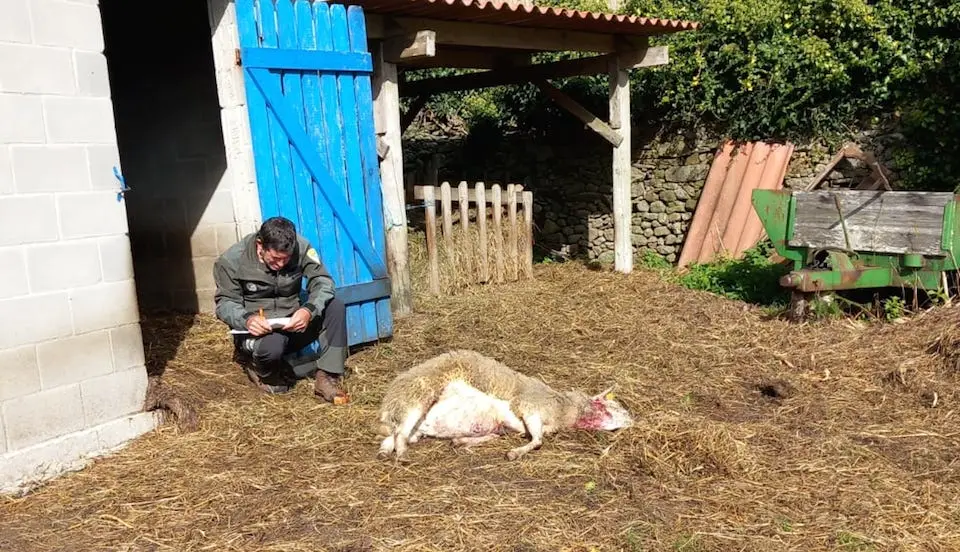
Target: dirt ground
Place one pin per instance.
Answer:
(752, 434)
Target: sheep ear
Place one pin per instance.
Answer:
(605, 393)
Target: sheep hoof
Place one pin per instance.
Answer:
(513, 455)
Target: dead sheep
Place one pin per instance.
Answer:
(470, 398)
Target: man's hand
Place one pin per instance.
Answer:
(258, 325)
(298, 322)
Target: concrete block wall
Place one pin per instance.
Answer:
(187, 161)
(72, 375)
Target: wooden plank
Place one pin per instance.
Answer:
(380, 313)
(497, 233)
(291, 58)
(486, 35)
(420, 44)
(430, 211)
(876, 221)
(463, 197)
(528, 233)
(592, 122)
(542, 71)
(387, 112)
(259, 115)
(482, 227)
(622, 205)
(512, 231)
(418, 194)
(447, 210)
(453, 57)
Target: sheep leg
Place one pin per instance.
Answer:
(403, 433)
(387, 446)
(535, 430)
(468, 442)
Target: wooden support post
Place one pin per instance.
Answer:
(421, 44)
(387, 117)
(620, 120)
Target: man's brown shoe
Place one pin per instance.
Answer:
(326, 386)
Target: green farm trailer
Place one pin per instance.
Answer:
(855, 239)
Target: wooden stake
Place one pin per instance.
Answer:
(463, 195)
(447, 210)
(482, 227)
(429, 200)
(512, 238)
(497, 234)
(528, 233)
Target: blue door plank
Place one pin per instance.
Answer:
(291, 59)
(309, 92)
(282, 157)
(370, 161)
(354, 172)
(290, 80)
(249, 34)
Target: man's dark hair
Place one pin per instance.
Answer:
(278, 234)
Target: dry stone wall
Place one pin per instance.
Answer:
(572, 184)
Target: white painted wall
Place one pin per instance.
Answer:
(72, 376)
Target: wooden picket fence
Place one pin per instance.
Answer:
(471, 250)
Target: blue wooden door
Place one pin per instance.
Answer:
(307, 79)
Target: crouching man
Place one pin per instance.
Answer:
(265, 272)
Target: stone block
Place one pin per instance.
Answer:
(6, 171)
(69, 24)
(15, 23)
(74, 359)
(63, 265)
(27, 219)
(127, 344)
(92, 78)
(28, 69)
(91, 214)
(33, 319)
(22, 118)
(114, 395)
(104, 306)
(13, 273)
(38, 169)
(101, 160)
(29, 420)
(79, 120)
(116, 259)
(19, 374)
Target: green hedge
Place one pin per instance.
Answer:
(778, 69)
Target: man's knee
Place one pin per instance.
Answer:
(269, 348)
(335, 313)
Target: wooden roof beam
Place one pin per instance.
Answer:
(468, 58)
(592, 122)
(647, 57)
(410, 46)
(487, 35)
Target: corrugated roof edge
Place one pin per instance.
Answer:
(400, 6)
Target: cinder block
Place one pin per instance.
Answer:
(79, 120)
(13, 274)
(50, 169)
(58, 23)
(226, 237)
(63, 265)
(15, 23)
(92, 79)
(102, 160)
(74, 359)
(6, 171)
(22, 118)
(117, 432)
(33, 319)
(91, 214)
(203, 242)
(104, 306)
(27, 219)
(127, 344)
(30, 420)
(205, 300)
(19, 374)
(116, 259)
(217, 210)
(3, 437)
(203, 272)
(29, 69)
(109, 397)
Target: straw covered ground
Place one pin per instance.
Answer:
(752, 434)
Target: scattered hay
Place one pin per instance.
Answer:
(842, 458)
